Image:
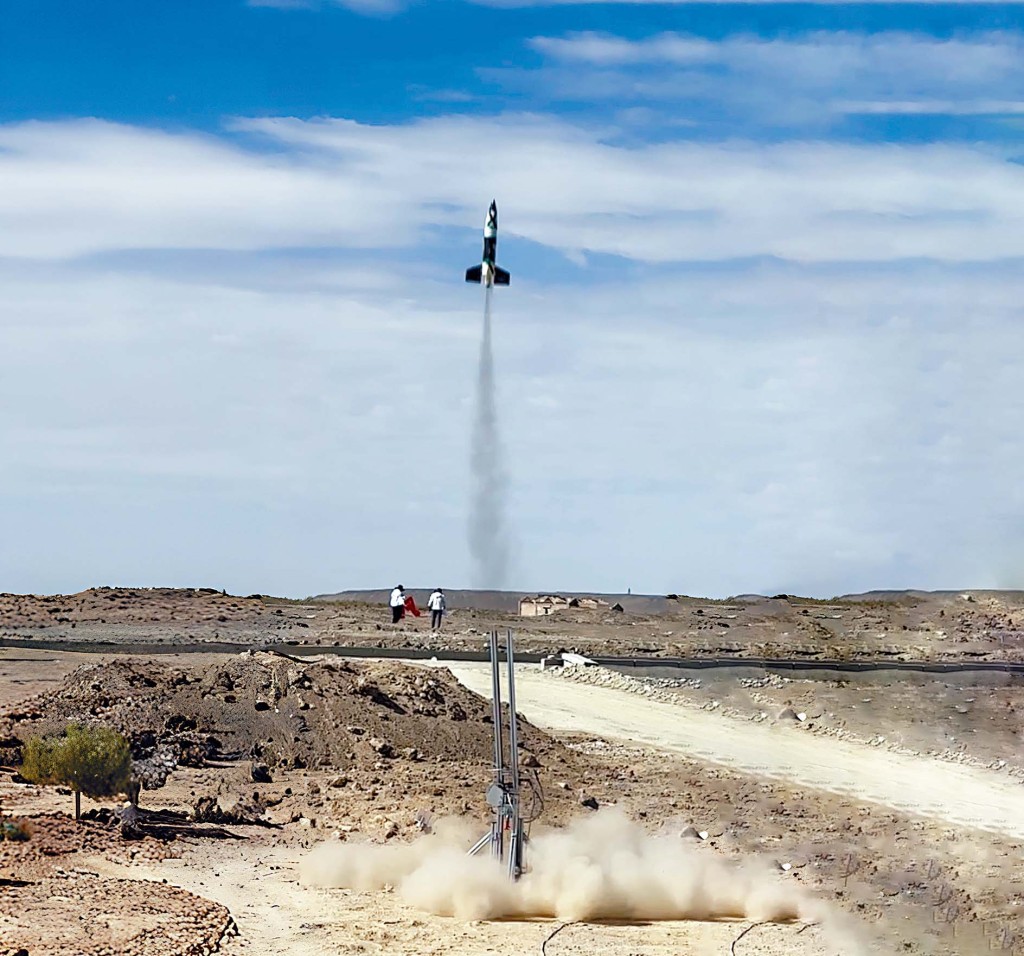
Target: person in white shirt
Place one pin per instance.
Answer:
(436, 604)
(397, 604)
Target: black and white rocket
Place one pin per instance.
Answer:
(487, 272)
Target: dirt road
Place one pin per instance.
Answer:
(967, 796)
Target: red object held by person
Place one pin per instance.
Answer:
(410, 605)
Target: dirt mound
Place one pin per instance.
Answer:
(127, 606)
(277, 710)
(83, 914)
(55, 839)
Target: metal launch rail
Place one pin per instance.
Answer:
(507, 836)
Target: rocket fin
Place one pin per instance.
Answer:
(501, 277)
(473, 274)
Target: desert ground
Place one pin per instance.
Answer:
(779, 811)
(956, 627)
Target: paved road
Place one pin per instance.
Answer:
(781, 665)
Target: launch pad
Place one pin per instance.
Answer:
(507, 836)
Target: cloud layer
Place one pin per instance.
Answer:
(779, 428)
(81, 188)
(808, 80)
(245, 357)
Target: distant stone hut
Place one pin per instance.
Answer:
(542, 605)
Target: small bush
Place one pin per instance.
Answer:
(95, 761)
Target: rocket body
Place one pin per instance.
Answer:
(488, 273)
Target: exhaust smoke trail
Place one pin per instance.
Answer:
(488, 535)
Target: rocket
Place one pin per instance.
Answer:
(487, 272)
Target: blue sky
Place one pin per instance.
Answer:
(763, 333)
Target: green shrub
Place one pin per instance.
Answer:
(37, 759)
(95, 761)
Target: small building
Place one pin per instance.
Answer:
(544, 604)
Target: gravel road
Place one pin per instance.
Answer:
(965, 796)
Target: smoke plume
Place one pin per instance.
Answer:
(488, 538)
(601, 867)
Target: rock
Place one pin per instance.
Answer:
(382, 747)
(207, 810)
(260, 773)
(424, 821)
(589, 802)
(529, 760)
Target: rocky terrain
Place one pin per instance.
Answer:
(279, 713)
(51, 905)
(276, 750)
(909, 885)
(379, 747)
(968, 626)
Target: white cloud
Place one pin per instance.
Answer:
(89, 185)
(86, 187)
(373, 7)
(773, 428)
(932, 107)
(226, 411)
(377, 7)
(512, 4)
(817, 55)
(805, 79)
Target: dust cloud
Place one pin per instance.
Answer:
(488, 536)
(601, 867)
